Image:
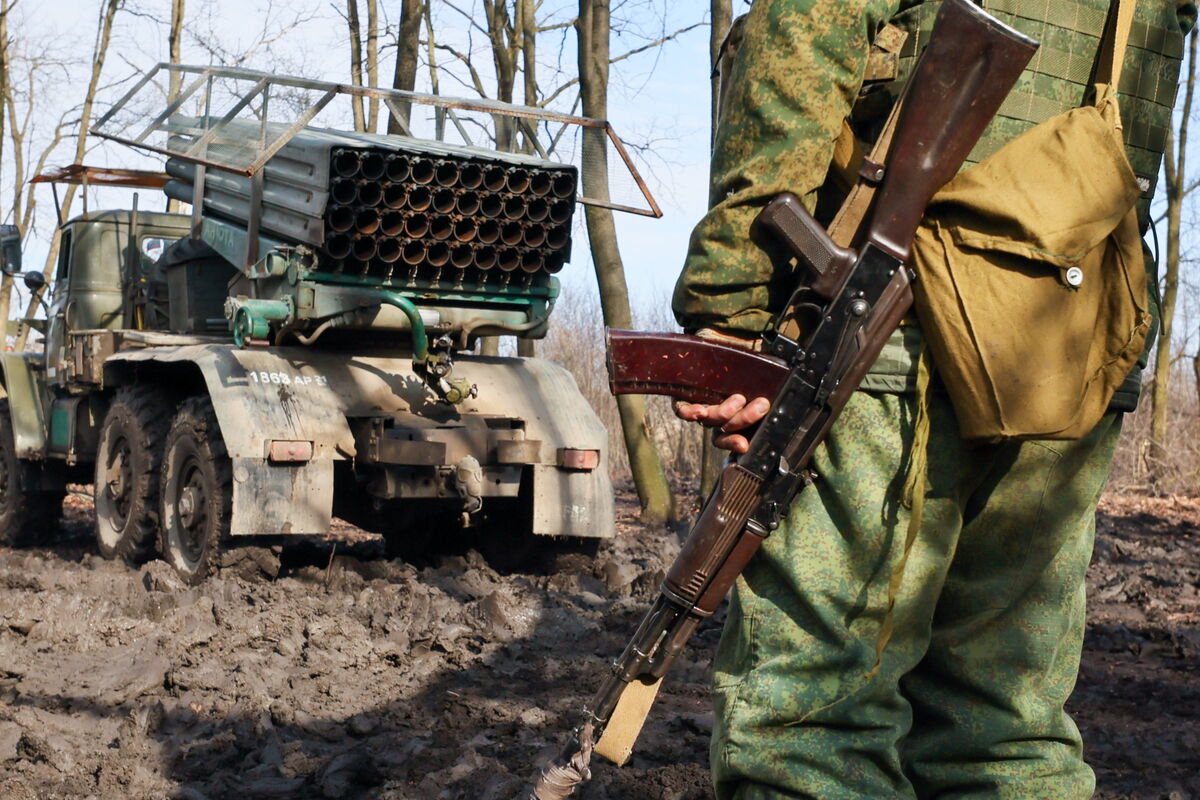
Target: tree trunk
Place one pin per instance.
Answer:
(593, 28)
(103, 37)
(372, 61)
(4, 73)
(527, 16)
(174, 50)
(1176, 175)
(408, 42)
(721, 14)
(439, 116)
(1196, 372)
(175, 46)
(501, 35)
(356, 61)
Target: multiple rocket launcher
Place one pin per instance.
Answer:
(429, 213)
(393, 208)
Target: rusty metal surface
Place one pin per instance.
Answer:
(104, 176)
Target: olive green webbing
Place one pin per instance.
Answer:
(1061, 74)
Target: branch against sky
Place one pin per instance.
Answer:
(1175, 168)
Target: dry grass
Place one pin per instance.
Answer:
(576, 340)
(1179, 471)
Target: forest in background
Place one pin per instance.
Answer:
(565, 56)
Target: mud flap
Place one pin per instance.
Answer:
(281, 498)
(572, 503)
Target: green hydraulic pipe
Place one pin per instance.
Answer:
(420, 338)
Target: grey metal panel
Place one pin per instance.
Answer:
(283, 167)
(308, 200)
(299, 227)
(272, 499)
(313, 144)
(251, 410)
(573, 503)
(24, 388)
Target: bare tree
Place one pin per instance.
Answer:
(593, 27)
(278, 20)
(434, 81)
(175, 54)
(372, 44)
(356, 62)
(108, 13)
(29, 70)
(5, 8)
(1176, 177)
(175, 45)
(721, 17)
(22, 110)
(408, 43)
(1196, 372)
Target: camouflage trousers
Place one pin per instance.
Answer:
(967, 699)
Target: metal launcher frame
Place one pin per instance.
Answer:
(199, 81)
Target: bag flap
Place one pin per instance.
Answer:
(1052, 194)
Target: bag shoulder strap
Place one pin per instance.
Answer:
(1115, 43)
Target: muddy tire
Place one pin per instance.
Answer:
(197, 491)
(128, 464)
(27, 515)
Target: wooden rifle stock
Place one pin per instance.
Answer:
(964, 75)
(960, 81)
(858, 297)
(689, 368)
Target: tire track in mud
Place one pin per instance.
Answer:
(341, 674)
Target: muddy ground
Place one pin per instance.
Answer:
(346, 675)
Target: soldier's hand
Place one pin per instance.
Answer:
(734, 414)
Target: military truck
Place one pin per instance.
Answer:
(302, 344)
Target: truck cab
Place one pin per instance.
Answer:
(108, 277)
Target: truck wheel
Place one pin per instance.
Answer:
(197, 491)
(128, 463)
(26, 515)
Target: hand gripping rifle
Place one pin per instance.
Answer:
(850, 303)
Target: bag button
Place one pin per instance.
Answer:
(1074, 277)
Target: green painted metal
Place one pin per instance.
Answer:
(60, 428)
(229, 239)
(420, 338)
(426, 290)
(1060, 76)
(24, 386)
(252, 318)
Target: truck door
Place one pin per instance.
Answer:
(59, 313)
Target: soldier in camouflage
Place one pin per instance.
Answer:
(966, 699)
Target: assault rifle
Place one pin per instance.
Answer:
(850, 302)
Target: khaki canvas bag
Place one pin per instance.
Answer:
(1031, 287)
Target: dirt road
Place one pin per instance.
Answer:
(346, 675)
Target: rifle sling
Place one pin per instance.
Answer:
(853, 212)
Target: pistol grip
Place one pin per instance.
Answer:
(787, 218)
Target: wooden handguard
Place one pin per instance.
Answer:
(689, 368)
